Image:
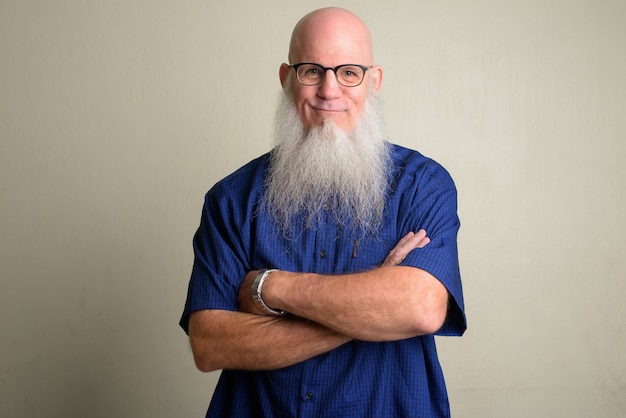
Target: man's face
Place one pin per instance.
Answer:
(329, 100)
(331, 40)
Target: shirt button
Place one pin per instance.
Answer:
(308, 396)
(325, 207)
(323, 253)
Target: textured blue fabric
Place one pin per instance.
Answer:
(359, 379)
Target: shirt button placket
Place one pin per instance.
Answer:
(321, 236)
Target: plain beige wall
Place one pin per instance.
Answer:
(117, 116)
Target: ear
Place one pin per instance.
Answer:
(283, 73)
(376, 77)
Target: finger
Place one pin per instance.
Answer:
(411, 241)
(407, 243)
(421, 234)
(423, 240)
(408, 237)
(398, 253)
(423, 243)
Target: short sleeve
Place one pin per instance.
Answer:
(221, 244)
(430, 202)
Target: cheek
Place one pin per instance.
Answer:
(301, 102)
(358, 103)
(307, 116)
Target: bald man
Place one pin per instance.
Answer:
(324, 268)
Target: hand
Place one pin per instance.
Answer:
(408, 243)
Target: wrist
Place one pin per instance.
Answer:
(257, 293)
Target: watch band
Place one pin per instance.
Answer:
(257, 286)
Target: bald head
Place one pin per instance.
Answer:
(331, 37)
(332, 32)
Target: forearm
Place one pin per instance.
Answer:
(236, 340)
(388, 303)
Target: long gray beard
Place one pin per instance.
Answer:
(328, 171)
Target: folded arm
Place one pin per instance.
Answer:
(236, 340)
(328, 311)
(385, 304)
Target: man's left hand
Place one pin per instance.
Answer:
(408, 243)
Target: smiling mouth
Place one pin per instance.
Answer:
(328, 110)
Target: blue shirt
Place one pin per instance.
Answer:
(358, 379)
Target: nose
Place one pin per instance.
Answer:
(329, 88)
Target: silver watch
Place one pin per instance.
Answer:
(257, 285)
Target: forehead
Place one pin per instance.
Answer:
(331, 39)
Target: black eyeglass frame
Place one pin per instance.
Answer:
(334, 70)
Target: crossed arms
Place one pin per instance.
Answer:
(388, 303)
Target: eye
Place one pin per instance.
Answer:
(311, 73)
(350, 73)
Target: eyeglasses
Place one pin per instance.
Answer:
(311, 74)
